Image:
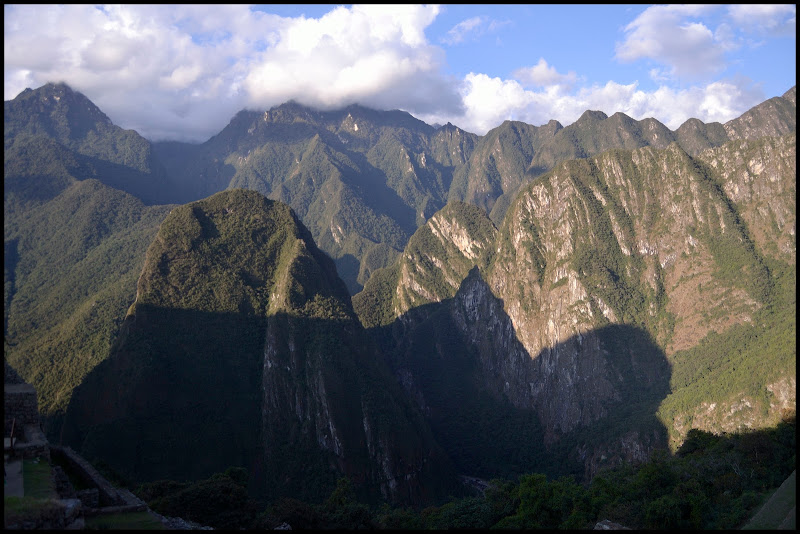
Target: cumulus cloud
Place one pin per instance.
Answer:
(542, 75)
(667, 35)
(138, 63)
(777, 19)
(182, 71)
(675, 37)
(373, 55)
(489, 101)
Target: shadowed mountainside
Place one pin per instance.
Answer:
(243, 348)
(498, 411)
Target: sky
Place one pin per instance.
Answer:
(181, 72)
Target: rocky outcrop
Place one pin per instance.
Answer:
(440, 254)
(643, 238)
(759, 177)
(602, 270)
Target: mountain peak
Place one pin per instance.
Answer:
(55, 109)
(592, 116)
(58, 86)
(791, 95)
(620, 116)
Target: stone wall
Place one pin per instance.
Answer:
(108, 494)
(20, 404)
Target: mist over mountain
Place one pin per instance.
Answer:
(119, 158)
(315, 294)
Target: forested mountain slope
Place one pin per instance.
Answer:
(73, 249)
(242, 349)
(552, 299)
(361, 180)
(120, 158)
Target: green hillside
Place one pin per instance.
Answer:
(242, 347)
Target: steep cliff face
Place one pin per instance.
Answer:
(759, 177)
(644, 238)
(440, 254)
(434, 263)
(327, 394)
(242, 348)
(512, 154)
(623, 237)
(462, 361)
(603, 270)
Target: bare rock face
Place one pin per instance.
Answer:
(773, 118)
(602, 270)
(647, 238)
(567, 384)
(620, 237)
(759, 177)
(440, 254)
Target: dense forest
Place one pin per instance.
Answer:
(713, 482)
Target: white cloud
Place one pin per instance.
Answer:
(373, 55)
(134, 61)
(777, 19)
(542, 75)
(183, 71)
(473, 27)
(674, 36)
(490, 101)
(666, 35)
(459, 32)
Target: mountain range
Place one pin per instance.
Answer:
(312, 294)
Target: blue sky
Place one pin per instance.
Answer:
(182, 71)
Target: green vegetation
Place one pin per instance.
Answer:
(223, 275)
(739, 363)
(120, 158)
(76, 245)
(713, 482)
(19, 510)
(779, 510)
(124, 521)
(220, 501)
(242, 347)
(195, 336)
(375, 303)
(433, 261)
(37, 479)
(352, 188)
(735, 255)
(77, 258)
